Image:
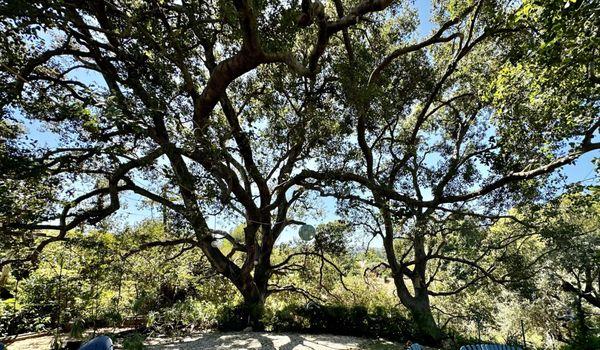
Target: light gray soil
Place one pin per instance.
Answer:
(230, 341)
(255, 340)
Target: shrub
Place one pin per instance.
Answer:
(134, 341)
(112, 317)
(233, 318)
(78, 328)
(381, 322)
(590, 342)
(288, 319)
(23, 321)
(189, 313)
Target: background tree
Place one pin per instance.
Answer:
(572, 236)
(333, 237)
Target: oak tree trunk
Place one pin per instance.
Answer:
(417, 302)
(254, 304)
(427, 328)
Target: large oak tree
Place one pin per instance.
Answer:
(462, 126)
(237, 107)
(201, 106)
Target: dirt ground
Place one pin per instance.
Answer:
(253, 340)
(242, 340)
(35, 342)
(215, 340)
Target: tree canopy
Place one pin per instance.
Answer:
(255, 110)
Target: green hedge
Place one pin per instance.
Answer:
(380, 322)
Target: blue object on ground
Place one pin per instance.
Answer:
(99, 343)
(415, 346)
(1, 346)
(489, 347)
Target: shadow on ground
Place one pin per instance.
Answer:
(255, 340)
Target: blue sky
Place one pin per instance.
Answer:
(582, 170)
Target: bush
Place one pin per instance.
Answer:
(23, 321)
(336, 319)
(584, 343)
(78, 328)
(233, 318)
(190, 314)
(288, 319)
(134, 341)
(112, 317)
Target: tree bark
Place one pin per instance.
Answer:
(421, 307)
(255, 306)
(255, 296)
(420, 310)
(418, 302)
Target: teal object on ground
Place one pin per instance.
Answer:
(489, 347)
(415, 346)
(307, 232)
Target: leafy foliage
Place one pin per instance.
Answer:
(443, 148)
